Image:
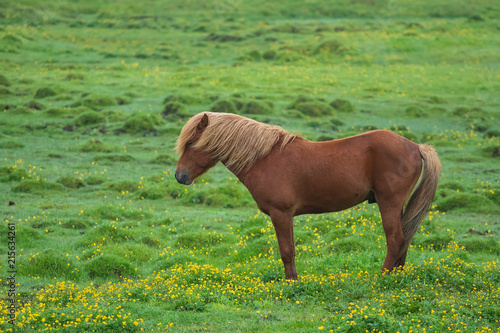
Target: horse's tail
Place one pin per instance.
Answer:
(421, 199)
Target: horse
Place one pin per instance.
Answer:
(288, 175)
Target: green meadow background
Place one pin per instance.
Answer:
(94, 93)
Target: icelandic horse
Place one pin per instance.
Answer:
(288, 175)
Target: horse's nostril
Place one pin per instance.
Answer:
(176, 174)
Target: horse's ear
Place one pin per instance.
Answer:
(203, 123)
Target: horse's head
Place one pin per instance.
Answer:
(193, 161)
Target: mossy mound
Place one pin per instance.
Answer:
(95, 180)
(11, 144)
(451, 186)
(227, 196)
(89, 118)
(124, 186)
(8, 174)
(112, 158)
(164, 160)
(173, 108)
(214, 37)
(57, 112)
(45, 92)
(492, 151)
(257, 107)
(492, 134)
(342, 105)
(225, 106)
(123, 100)
(95, 101)
(466, 201)
(330, 47)
(300, 99)
(182, 99)
(436, 100)
(33, 186)
(96, 146)
(4, 81)
(71, 181)
(109, 266)
(35, 105)
(315, 109)
(49, 264)
(414, 112)
(140, 123)
(253, 55)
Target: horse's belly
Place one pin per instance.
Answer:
(330, 203)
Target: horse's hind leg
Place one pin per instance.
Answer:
(391, 221)
(283, 225)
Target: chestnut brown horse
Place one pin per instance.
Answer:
(288, 175)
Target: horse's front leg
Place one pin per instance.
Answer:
(283, 225)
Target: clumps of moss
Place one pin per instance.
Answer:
(466, 112)
(492, 151)
(49, 264)
(95, 180)
(492, 134)
(96, 146)
(71, 181)
(112, 158)
(467, 202)
(45, 92)
(11, 144)
(225, 106)
(315, 108)
(318, 107)
(330, 47)
(75, 224)
(109, 266)
(253, 55)
(311, 107)
(89, 118)
(182, 99)
(240, 103)
(214, 37)
(124, 186)
(8, 174)
(342, 105)
(436, 241)
(123, 100)
(226, 195)
(95, 101)
(34, 186)
(34, 105)
(10, 43)
(404, 131)
(74, 76)
(140, 123)
(258, 107)
(436, 100)
(164, 160)
(4, 81)
(57, 112)
(449, 188)
(173, 108)
(414, 111)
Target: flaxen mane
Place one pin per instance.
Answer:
(236, 141)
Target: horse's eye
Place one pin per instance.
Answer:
(189, 143)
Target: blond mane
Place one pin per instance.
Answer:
(236, 141)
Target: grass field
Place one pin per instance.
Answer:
(93, 96)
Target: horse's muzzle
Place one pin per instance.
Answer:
(183, 178)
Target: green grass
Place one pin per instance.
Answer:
(93, 96)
